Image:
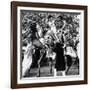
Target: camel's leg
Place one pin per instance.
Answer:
(51, 68)
(67, 69)
(69, 63)
(38, 75)
(51, 64)
(78, 64)
(39, 61)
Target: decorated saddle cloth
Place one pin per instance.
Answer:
(70, 51)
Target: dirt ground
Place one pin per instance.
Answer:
(45, 71)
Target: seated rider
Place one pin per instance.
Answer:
(34, 35)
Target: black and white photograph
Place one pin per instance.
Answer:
(50, 43)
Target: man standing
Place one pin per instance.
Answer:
(60, 61)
